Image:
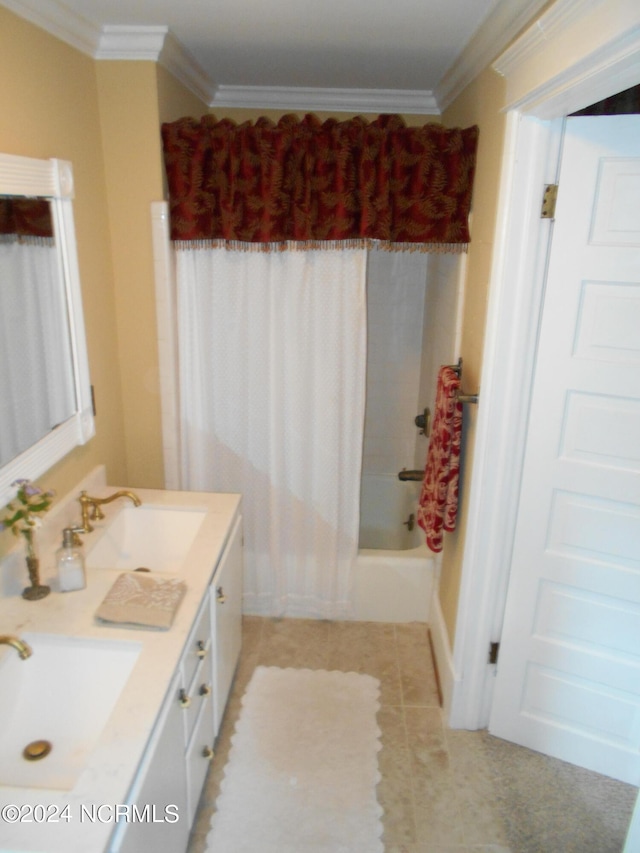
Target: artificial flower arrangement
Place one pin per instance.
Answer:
(24, 515)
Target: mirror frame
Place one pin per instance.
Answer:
(53, 179)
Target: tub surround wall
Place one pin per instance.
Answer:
(396, 284)
(414, 307)
(386, 505)
(444, 303)
(414, 310)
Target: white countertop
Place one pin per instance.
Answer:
(112, 765)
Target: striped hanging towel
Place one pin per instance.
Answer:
(438, 505)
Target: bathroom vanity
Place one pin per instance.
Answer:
(108, 728)
(133, 780)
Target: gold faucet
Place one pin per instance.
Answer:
(23, 649)
(91, 506)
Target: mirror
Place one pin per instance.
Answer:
(36, 382)
(45, 395)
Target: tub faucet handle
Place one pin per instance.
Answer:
(423, 422)
(410, 523)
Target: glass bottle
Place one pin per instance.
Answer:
(70, 562)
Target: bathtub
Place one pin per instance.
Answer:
(394, 571)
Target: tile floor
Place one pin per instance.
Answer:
(442, 791)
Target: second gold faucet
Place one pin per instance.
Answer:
(23, 649)
(91, 506)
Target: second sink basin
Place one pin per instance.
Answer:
(62, 696)
(152, 537)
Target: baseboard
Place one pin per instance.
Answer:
(442, 653)
(435, 668)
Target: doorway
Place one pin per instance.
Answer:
(568, 675)
(542, 86)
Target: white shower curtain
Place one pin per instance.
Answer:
(272, 350)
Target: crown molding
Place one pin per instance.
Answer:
(420, 102)
(137, 43)
(179, 62)
(153, 44)
(59, 21)
(502, 24)
(156, 44)
(550, 25)
(608, 35)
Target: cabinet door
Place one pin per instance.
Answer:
(161, 782)
(227, 619)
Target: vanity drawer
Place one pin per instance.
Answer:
(198, 649)
(199, 754)
(199, 693)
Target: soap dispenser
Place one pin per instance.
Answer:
(70, 562)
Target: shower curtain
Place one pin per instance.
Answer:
(272, 352)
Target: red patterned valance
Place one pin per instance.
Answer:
(315, 182)
(25, 219)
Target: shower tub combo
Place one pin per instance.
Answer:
(394, 571)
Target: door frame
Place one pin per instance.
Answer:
(576, 53)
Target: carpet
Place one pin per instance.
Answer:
(303, 766)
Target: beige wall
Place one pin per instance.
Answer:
(104, 117)
(49, 108)
(129, 117)
(481, 104)
(134, 97)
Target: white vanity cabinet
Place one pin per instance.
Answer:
(180, 749)
(161, 782)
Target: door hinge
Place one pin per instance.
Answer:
(93, 400)
(493, 652)
(549, 201)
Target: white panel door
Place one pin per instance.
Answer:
(568, 675)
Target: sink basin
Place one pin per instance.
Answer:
(152, 537)
(63, 694)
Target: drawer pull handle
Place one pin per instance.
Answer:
(205, 690)
(208, 753)
(220, 596)
(183, 699)
(202, 652)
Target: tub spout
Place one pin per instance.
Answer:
(417, 476)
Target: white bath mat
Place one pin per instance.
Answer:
(303, 766)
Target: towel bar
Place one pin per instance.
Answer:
(461, 397)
